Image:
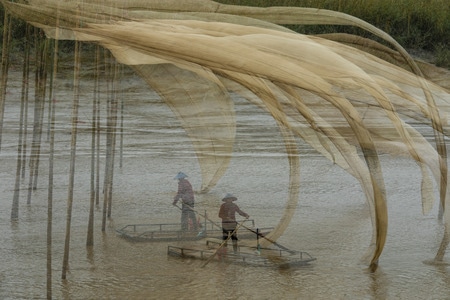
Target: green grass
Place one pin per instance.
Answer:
(415, 24)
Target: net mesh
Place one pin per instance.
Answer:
(348, 97)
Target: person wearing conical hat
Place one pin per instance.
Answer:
(227, 213)
(186, 195)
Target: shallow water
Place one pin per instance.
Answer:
(331, 223)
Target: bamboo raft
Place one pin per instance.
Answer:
(263, 257)
(171, 232)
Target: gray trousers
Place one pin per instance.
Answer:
(186, 215)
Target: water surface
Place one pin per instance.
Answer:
(331, 223)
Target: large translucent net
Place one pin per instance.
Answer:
(339, 93)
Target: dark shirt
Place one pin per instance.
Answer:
(228, 212)
(185, 192)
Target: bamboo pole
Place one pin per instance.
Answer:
(97, 99)
(39, 101)
(33, 150)
(112, 159)
(114, 110)
(50, 90)
(76, 79)
(42, 86)
(106, 186)
(26, 84)
(90, 232)
(20, 163)
(111, 129)
(51, 136)
(106, 182)
(121, 117)
(109, 162)
(51, 133)
(15, 204)
(4, 70)
(223, 243)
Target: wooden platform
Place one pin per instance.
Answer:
(172, 232)
(264, 257)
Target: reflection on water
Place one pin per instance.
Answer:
(332, 221)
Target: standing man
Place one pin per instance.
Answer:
(227, 213)
(186, 194)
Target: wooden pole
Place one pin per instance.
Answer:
(111, 128)
(15, 205)
(202, 215)
(121, 117)
(35, 110)
(98, 129)
(108, 142)
(51, 135)
(25, 95)
(90, 232)
(223, 243)
(114, 110)
(38, 112)
(5, 67)
(76, 79)
(50, 90)
(42, 85)
(258, 234)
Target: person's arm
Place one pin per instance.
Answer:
(178, 195)
(242, 213)
(222, 212)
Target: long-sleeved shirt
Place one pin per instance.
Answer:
(227, 212)
(185, 192)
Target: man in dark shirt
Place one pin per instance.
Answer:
(227, 213)
(186, 195)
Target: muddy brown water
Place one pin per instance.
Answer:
(331, 222)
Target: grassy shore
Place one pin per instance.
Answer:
(422, 25)
(418, 25)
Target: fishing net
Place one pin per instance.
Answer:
(340, 94)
